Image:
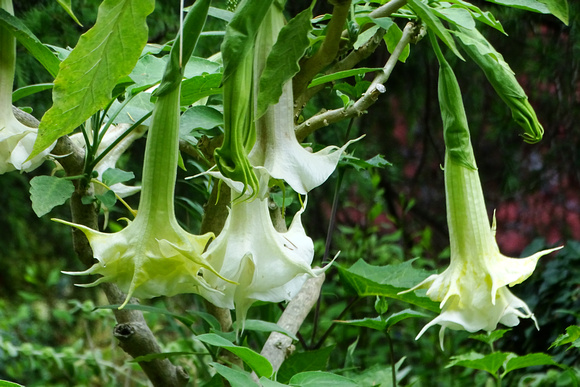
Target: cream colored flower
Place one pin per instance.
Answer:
(16, 139)
(277, 150)
(473, 290)
(153, 255)
(267, 265)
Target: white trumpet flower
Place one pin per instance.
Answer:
(16, 139)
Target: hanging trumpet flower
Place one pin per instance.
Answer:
(267, 265)
(276, 147)
(153, 255)
(473, 290)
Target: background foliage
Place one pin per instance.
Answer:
(50, 333)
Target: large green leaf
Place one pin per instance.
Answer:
(196, 88)
(241, 32)
(47, 192)
(104, 55)
(321, 379)
(433, 23)
(25, 37)
(282, 63)
(490, 363)
(200, 116)
(304, 361)
(388, 281)
(134, 110)
(257, 362)
(456, 15)
(236, 378)
(482, 16)
(558, 8)
(264, 326)
(529, 360)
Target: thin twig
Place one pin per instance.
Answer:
(279, 346)
(368, 98)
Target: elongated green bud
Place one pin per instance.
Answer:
(502, 78)
(183, 47)
(455, 126)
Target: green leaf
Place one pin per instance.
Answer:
(29, 90)
(47, 192)
(482, 16)
(236, 378)
(365, 36)
(147, 72)
(196, 88)
(381, 304)
(342, 74)
(558, 8)
(388, 281)
(208, 318)
(375, 323)
(377, 161)
(270, 383)
(490, 363)
(265, 326)
(25, 37)
(113, 176)
(199, 66)
(108, 199)
(490, 337)
(433, 23)
(164, 355)
(455, 15)
(315, 360)
(529, 360)
(503, 80)
(138, 106)
(528, 5)
(257, 362)
(321, 379)
(282, 62)
(392, 38)
(240, 33)
(222, 14)
(380, 324)
(5, 383)
(200, 117)
(572, 336)
(104, 55)
(67, 7)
